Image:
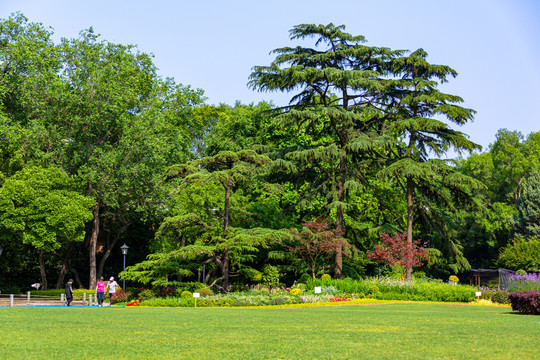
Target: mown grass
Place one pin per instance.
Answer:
(381, 331)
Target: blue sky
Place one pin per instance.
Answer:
(494, 45)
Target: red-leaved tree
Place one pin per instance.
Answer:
(317, 241)
(398, 253)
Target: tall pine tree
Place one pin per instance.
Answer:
(339, 81)
(414, 103)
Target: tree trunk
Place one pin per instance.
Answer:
(93, 246)
(226, 210)
(225, 269)
(65, 261)
(110, 247)
(410, 213)
(42, 270)
(76, 276)
(226, 256)
(340, 221)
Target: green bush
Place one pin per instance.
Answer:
(521, 272)
(300, 286)
(147, 295)
(172, 288)
(11, 290)
(500, 297)
(186, 294)
(522, 254)
(373, 289)
(236, 287)
(77, 293)
(270, 275)
(326, 277)
(252, 274)
(205, 292)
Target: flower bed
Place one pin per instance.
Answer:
(336, 299)
(523, 282)
(397, 289)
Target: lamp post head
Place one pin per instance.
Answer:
(124, 249)
(1, 250)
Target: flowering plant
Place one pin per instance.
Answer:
(336, 299)
(296, 292)
(453, 278)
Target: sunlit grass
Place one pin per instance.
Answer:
(378, 331)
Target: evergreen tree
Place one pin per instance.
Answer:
(527, 221)
(228, 169)
(414, 102)
(338, 86)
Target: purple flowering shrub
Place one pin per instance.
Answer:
(523, 282)
(526, 302)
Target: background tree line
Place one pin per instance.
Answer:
(98, 149)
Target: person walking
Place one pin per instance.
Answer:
(69, 292)
(100, 291)
(112, 288)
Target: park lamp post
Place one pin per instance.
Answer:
(1, 250)
(124, 249)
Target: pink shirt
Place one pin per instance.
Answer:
(101, 286)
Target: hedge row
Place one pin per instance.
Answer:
(77, 293)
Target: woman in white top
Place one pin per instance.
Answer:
(112, 288)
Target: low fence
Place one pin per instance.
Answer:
(43, 300)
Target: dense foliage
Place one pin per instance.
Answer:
(97, 149)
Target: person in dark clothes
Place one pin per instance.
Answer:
(69, 292)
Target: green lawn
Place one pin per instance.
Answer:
(397, 331)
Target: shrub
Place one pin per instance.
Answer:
(300, 286)
(238, 287)
(205, 292)
(326, 277)
(521, 253)
(13, 290)
(500, 297)
(121, 296)
(186, 294)
(453, 278)
(252, 274)
(178, 285)
(296, 292)
(77, 293)
(374, 289)
(270, 275)
(147, 295)
(168, 291)
(526, 302)
(521, 272)
(135, 291)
